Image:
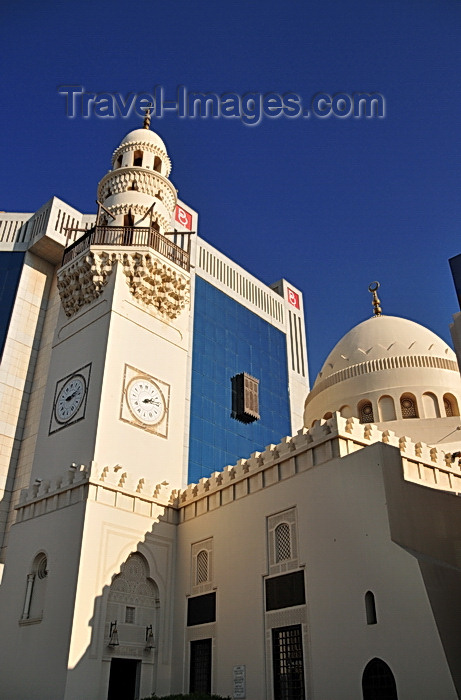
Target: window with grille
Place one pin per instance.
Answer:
(448, 408)
(408, 406)
(200, 666)
(245, 398)
(366, 412)
(282, 542)
(288, 663)
(129, 614)
(202, 567)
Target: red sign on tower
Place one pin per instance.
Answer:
(293, 298)
(183, 217)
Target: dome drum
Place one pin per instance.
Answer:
(389, 369)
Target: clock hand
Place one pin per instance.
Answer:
(69, 398)
(150, 401)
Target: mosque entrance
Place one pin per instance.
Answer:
(124, 679)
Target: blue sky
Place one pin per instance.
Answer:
(330, 204)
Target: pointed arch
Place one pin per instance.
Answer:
(378, 682)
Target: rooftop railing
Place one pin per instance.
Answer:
(127, 236)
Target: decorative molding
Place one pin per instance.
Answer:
(382, 364)
(154, 284)
(149, 182)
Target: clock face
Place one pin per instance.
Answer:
(145, 400)
(70, 398)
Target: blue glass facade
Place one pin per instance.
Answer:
(229, 339)
(10, 272)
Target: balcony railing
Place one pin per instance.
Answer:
(127, 236)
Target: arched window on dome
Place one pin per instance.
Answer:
(157, 164)
(137, 159)
(430, 405)
(450, 405)
(118, 162)
(328, 415)
(386, 408)
(408, 406)
(365, 411)
(346, 411)
(378, 682)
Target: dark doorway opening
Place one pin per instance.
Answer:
(124, 679)
(378, 682)
(200, 666)
(288, 663)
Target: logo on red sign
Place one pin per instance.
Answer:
(183, 217)
(293, 298)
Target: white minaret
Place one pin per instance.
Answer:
(137, 188)
(117, 384)
(109, 451)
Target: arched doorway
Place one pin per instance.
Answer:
(378, 681)
(131, 629)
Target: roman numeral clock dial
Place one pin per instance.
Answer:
(70, 398)
(145, 401)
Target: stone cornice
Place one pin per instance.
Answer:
(159, 287)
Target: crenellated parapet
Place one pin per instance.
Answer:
(157, 286)
(112, 486)
(325, 440)
(330, 439)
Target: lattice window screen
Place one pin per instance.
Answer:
(282, 537)
(202, 567)
(282, 542)
(408, 407)
(366, 413)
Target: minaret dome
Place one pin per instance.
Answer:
(137, 191)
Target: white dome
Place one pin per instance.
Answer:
(383, 361)
(144, 136)
(382, 337)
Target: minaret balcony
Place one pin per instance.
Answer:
(127, 237)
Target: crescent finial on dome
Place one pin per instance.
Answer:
(373, 288)
(146, 123)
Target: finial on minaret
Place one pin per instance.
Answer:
(146, 123)
(373, 288)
